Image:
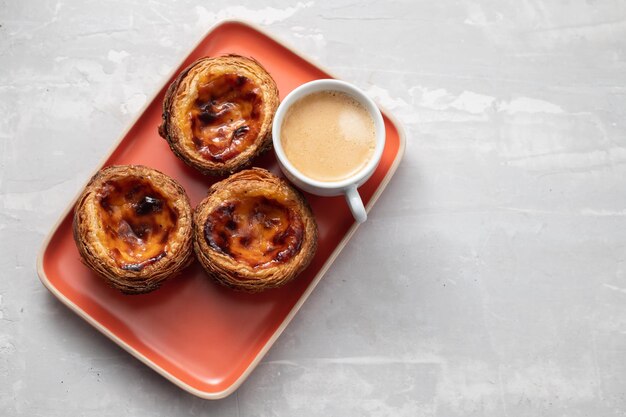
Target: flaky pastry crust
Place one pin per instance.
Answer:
(218, 112)
(133, 226)
(254, 231)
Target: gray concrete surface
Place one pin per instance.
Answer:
(490, 279)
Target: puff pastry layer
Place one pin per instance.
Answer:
(254, 231)
(133, 226)
(217, 114)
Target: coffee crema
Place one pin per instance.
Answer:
(328, 136)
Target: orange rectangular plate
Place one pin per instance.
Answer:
(202, 337)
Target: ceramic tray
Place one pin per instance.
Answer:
(204, 338)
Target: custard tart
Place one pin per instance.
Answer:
(218, 112)
(254, 231)
(133, 226)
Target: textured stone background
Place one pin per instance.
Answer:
(490, 278)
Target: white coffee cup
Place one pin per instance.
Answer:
(347, 186)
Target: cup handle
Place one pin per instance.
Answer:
(356, 204)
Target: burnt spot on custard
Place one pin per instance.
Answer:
(257, 231)
(225, 117)
(136, 222)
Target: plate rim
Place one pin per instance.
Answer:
(307, 292)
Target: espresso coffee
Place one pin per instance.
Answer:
(328, 136)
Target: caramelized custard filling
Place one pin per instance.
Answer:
(136, 222)
(257, 231)
(226, 116)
